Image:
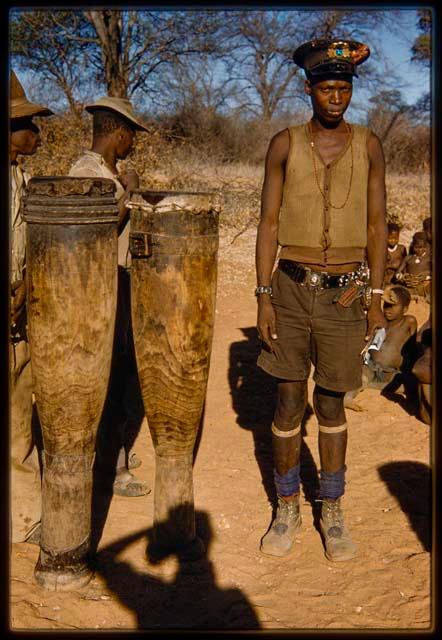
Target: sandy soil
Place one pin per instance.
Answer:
(387, 507)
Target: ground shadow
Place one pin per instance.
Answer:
(191, 601)
(121, 418)
(253, 395)
(410, 483)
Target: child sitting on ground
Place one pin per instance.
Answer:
(415, 270)
(395, 253)
(383, 363)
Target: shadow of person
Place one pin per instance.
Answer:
(192, 600)
(410, 483)
(254, 395)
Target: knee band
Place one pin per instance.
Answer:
(285, 434)
(333, 430)
(288, 484)
(331, 485)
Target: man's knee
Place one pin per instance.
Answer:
(292, 401)
(329, 406)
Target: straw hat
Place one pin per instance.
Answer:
(20, 107)
(121, 106)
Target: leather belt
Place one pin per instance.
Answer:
(315, 279)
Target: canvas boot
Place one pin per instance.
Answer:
(279, 540)
(338, 544)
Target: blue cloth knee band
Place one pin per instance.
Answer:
(288, 484)
(331, 485)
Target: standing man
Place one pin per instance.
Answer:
(25, 469)
(323, 202)
(114, 128)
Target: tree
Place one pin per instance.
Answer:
(39, 44)
(421, 49)
(388, 106)
(120, 51)
(260, 45)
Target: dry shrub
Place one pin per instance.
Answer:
(408, 202)
(408, 151)
(164, 162)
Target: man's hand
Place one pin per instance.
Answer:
(376, 320)
(129, 180)
(18, 290)
(266, 320)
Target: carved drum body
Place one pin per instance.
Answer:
(72, 292)
(174, 244)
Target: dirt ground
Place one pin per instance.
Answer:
(387, 506)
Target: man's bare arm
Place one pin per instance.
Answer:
(267, 236)
(377, 230)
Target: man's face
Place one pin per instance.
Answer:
(25, 137)
(330, 98)
(125, 142)
(393, 238)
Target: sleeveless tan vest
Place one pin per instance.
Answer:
(311, 229)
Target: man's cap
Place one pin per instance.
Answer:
(122, 106)
(20, 106)
(330, 56)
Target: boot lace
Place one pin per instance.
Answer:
(332, 513)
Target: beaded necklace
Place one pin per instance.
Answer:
(312, 145)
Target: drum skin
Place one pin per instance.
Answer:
(71, 300)
(174, 244)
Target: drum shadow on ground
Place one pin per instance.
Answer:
(122, 418)
(410, 483)
(254, 395)
(191, 601)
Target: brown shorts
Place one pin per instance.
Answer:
(313, 329)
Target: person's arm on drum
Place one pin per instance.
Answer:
(267, 236)
(377, 231)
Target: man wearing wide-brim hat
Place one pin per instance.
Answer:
(25, 485)
(323, 207)
(114, 128)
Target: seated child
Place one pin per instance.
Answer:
(415, 270)
(395, 253)
(422, 371)
(383, 362)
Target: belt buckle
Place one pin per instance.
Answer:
(313, 280)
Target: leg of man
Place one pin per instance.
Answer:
(332, 441)
(111, 450)
(286, 442)
(25, 475)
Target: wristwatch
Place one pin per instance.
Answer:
(263, 289)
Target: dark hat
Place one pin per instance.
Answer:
(20, 106)
(331, 56)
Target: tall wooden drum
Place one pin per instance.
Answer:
(174, 245)
(71, 272)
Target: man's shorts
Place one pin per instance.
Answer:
(311, 328)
